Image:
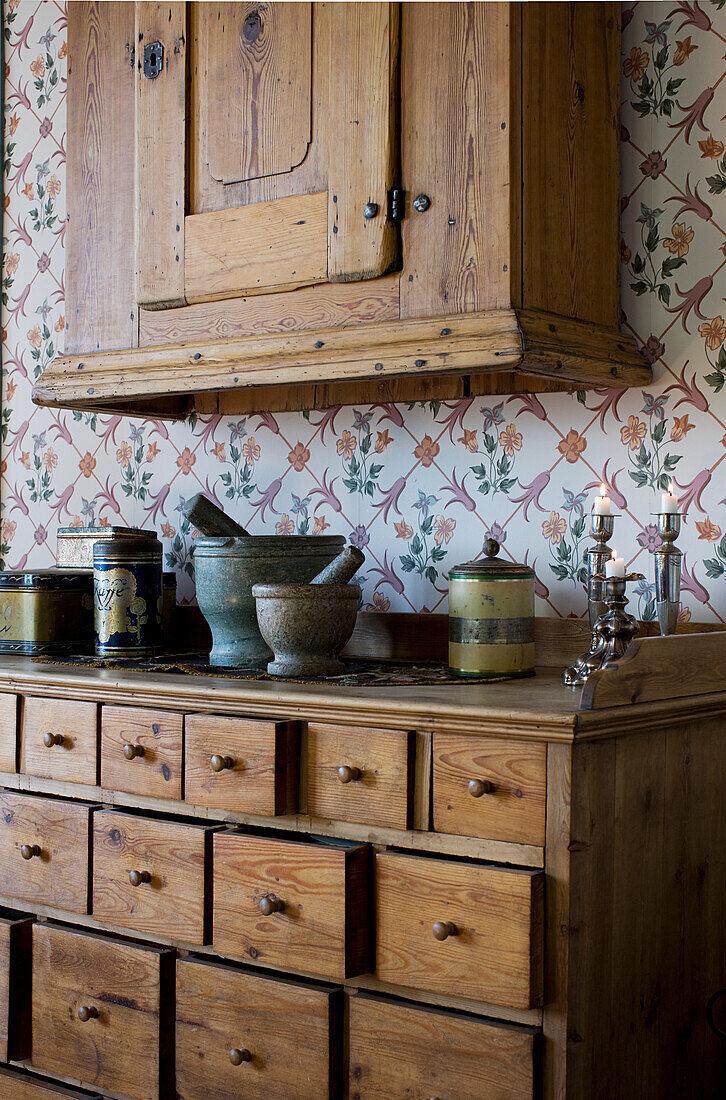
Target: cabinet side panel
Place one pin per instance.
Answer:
(100, 295)
(571, 159)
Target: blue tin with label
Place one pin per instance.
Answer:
(127, 597)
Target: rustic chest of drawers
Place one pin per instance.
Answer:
(217, 889)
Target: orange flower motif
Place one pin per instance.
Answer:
(25, 458)
(679, 243)
(50, 459)
(320, 526)
(76, 522)
(380, 602)
(87, 464)
(426, 451)
(403, 531)
(633, 433)
(152, 451)
(554, 528)
(60, 324)
(382, 442)
(186, 460)
(10, 390)
(710, 148)
(285, 525)
(123, 454)
(684, 50)
(572, 445)
(711, 532)
(250, 450)
(714, 333)
(9, 529)
(681, 427)
(14, 124)
(28, 191)
(469, 440)
(37, 67)
(219, 452)
(346, 445)
(443, 529)
(11, 262)
(168, 530)
(634, 66)
(625, 253)
(684, 615)
(510, 440)
(63, 51)
(34, 337)
(298, 456)
(54, 186)
(103, 522)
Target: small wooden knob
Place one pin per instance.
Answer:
(137, 877)
(132, 751)
(270, 903)
(51, 739)
(219, 763)
(237, 1056)
(87, 1012)
(478, 787)
(443, 929)
(27, 851)
(347, 774)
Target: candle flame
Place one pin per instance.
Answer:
(670, 488)
(603, 489)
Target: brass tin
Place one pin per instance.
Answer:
(75, 544)
(127, 597)
(46, 612)
(491, 617)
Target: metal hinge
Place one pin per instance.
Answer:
(153, 59)
(396, 204)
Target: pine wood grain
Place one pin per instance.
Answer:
(59, 874)
(24, 1086)
(159, 733)
(160, 155)
(76, 757)
(362, 138)
(325, 925)
(101, 301)
(15, 979)
(263, 778)
(499, 921)
(581, 351)
(177, 899)
(276, 245)
(398, 1050)
(514, 810)
(381, 795)
(259, 89)
(290, 1030)
(128, 1048)
(9, 704)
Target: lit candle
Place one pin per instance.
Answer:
(615, 567)
(601, 507)
(668, 503)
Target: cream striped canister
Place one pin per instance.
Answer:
(491, 617)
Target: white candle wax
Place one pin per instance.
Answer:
(668, 503)
(615, 566)
(601, 507)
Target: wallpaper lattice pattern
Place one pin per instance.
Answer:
(418, 487)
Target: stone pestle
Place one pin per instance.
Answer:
(341, 569)
(210, 520)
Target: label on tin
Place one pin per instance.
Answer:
(491, 631)
(118, 608)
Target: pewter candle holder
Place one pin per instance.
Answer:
(601, 530)
(614, 631)
(668, 559)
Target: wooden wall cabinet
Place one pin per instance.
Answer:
(324, 203)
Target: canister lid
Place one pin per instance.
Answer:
(46, 579)
(490, 567)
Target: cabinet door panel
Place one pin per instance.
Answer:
(259, 66)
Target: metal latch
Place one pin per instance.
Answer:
(396, 204)
(153, 59)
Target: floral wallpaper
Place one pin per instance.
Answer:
(418, 487)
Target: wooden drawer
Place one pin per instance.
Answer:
(169, 861)
(487, 787)
(8, 732)
(15, 948)
(241, 764)
(397, 1050)
(153, 739)
(125, 1043)
(19, 1085)
(285, 1035)
(357, 774)
(324, 926)
(55, 834)
(59, 739)
(492, 953)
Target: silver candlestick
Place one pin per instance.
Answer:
(601, 529)
(613, 633)
(668, 560)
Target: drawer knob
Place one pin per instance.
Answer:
(137, 877)
(27, 851)
(443, 929)
(219, 763)
(478, 787)
(270, 903)
(51, 739)
(237, 1056)
(87, 1012)
(349, 775)
(132, 751)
